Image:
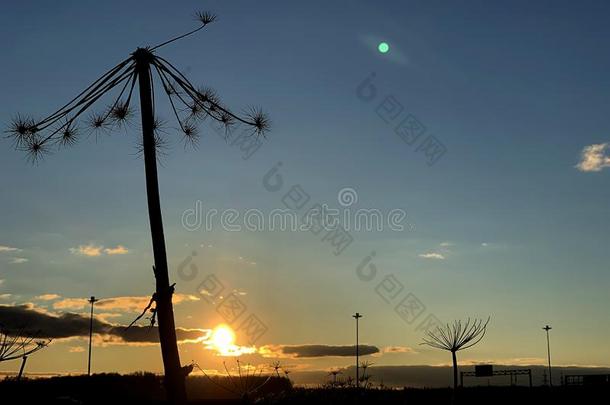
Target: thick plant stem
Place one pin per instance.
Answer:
(455, 371)
(174, 377)
(23, 360)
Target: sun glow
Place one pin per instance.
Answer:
(223, 338)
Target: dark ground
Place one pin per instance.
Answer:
(148, 389)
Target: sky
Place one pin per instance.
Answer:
(481, 136)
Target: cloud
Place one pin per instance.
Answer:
(298, 351)
(125, 304)
(89, 250)
(106, 316)
(514, 361)
(93, 250)
(5, 296)
(593, 158)
(70, 325)
(76, 349)
(118, 250)
(71, 303)
(47, 297)
(230, 350)
(398, 349)
(446, 244)
(432, 255)
(18, 260)
(8, 249)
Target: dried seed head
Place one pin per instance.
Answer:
(159, 141)
(97, 122)
(195, 111)
(190, 135)
(35, 149)
(227, 120)
(21, 129)
(205, 17)
(259, 121)
(68, 135)
(159, 126)
(208, 95)
(120, 113)
(161, 144)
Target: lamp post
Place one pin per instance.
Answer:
(91, 301)
(547, 328)
(357, 316)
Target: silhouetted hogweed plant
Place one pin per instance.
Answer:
(455, 337)
(189, 104)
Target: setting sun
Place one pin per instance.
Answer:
(430, 227)
(223, 338)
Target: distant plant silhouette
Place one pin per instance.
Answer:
(19, 344)
(244, 382)
(190, 105)
(365, 377)
(456, 337)
(277, 366)
(334, 374)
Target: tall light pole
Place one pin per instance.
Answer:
(547, 328)
(357, 316)
(92, 301)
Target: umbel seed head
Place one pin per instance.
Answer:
(189, 104)
(21, 129)
(143, 55)
(205, 17)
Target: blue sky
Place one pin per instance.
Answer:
(514, 92)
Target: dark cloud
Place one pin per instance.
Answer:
(326, 350)
(66, 325)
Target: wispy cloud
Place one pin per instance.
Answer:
(19, 260)
(432, 255)
(107, 316)
(398, 349)
(47, 297)
(8, 249)
(76, 349)
(446, 244)
(124, 304)
(93, 250)
(514, 361)
(118, 250)
(593, 158)
(89, 250)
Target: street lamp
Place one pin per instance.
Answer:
(357, 316)
(91, 301)
(547, 328)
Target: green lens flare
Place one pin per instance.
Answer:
(383, 47)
